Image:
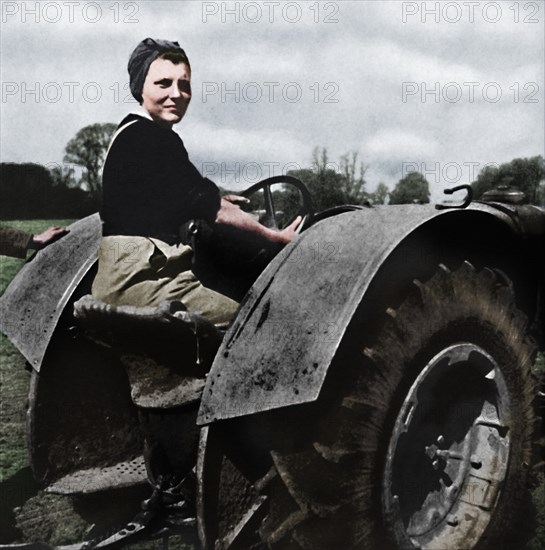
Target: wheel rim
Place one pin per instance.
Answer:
(449, 451)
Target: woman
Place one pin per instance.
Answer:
(150, 189)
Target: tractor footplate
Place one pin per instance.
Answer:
(91, 480)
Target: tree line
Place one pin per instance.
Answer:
(31, 190)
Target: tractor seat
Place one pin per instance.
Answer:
(166, 349)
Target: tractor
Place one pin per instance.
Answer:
(375, 390)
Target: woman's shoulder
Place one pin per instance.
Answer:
(136, 124)
(137, 132)
(141, 140)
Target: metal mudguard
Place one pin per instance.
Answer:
(32, 304)
(291, 323)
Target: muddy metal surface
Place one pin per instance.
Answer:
(31, 515)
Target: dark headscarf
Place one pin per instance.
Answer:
(142, 57)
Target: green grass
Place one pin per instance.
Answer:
(14, 379)
(35, 226)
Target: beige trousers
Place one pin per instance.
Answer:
(143, 271)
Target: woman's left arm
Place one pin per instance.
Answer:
(231, 214)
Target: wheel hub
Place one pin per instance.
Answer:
(448, 454)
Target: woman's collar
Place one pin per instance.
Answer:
(140, 111)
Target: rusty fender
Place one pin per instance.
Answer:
(290, 324)
(32, 305)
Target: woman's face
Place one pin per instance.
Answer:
(167, 91)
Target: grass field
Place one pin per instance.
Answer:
(13, 378)
(28, 514)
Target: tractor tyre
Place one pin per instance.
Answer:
(421, 437)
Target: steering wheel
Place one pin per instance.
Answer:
(270, 219)
(229, 259)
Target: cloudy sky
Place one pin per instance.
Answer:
(442, 87)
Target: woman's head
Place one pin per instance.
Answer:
(143, 56)
(167, 91)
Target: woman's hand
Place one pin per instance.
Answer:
(230, 214)
(287, 234)
(236, 199)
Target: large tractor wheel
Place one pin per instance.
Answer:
(421, 438)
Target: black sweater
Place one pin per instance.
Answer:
(150, 187)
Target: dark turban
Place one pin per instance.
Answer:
(142, 57)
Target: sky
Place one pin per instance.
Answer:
(444, 88)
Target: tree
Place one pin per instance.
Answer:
(413, 188)
(63, 176)
(380, 194)
(527, 174)
(88, 149)
(353, 186)
(329, 187)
